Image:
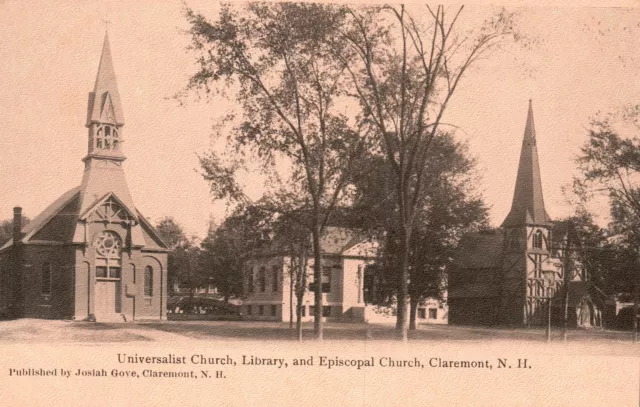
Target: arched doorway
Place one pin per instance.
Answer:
(108, 295)
(585, 314)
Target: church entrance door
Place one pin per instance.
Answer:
(107, 301)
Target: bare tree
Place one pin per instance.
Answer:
(403, 72)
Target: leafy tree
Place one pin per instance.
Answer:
(609, 165)
(170, 231)
(227, 248)
(451, 209)
(403, 72)
(184, 265)
(274, 59)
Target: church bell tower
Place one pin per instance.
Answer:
(527, 237)
(103, 173)
(104, 114)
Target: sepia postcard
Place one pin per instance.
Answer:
(308, 204)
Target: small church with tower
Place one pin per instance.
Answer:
(516, 275)
(91, 254)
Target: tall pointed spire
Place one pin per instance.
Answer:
(528, 203)
(103, 172)
(104, 101)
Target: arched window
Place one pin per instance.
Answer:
(46, 278)
(108, 254)
(107, 138)
(537, 240)
(148, 281)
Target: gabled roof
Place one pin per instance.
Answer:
(110, 195)
(527, 207)
(105, 95)
(60, 219)
(47, 215)
(334, 241)
(337, 240)
(481, 250)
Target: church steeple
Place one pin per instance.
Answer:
(103, 173)
(528, 203)
(104, 114)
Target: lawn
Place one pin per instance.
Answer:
(43, 331)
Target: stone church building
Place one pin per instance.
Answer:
(91, 254)
(512, 276)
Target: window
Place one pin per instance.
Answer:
(537, 240)
(274, 310)
(303, 310)
(260, 309)
(274, 279)
(326, 311)
(46, 278)
(114, 272)
(108, 247)
(326, 281)
(250, 281)
(262, 279)
(107, 138)
(422, 313)
(101, 271)
(433, 313)
(249, 309)
(148, 281)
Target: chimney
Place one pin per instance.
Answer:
(17, 224)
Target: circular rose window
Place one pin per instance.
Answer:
(107, 244)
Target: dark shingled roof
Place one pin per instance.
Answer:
(48, 214)
(479, 250)
(527, 207)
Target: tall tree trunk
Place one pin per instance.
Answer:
(403, 287)
(299, 307)
(413, 302)
(318, 327)
(291, 288)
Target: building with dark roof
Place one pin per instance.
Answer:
(91, 254)
(511, 276)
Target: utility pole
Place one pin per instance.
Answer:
(567, 271)
(549, 319)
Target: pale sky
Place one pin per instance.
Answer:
(49, 56)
